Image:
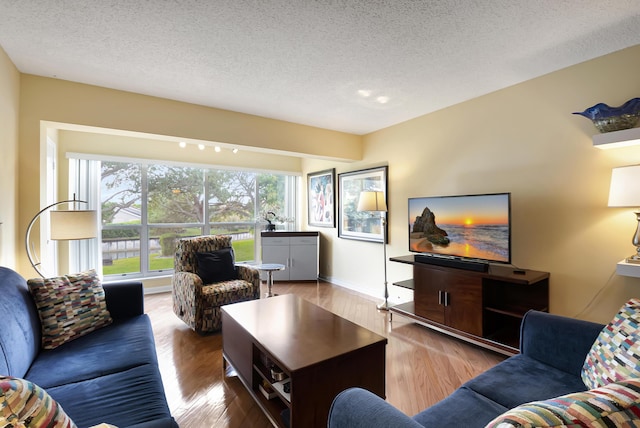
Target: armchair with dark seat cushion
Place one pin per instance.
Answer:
(206, 278)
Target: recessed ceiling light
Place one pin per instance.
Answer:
(217, 149)
(182, 144)
(364, 93)
(201, 146)
(382, 99)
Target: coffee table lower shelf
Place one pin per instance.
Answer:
(270, 407)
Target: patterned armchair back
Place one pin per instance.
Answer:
(187, 248)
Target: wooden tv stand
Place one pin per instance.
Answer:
(483, 308)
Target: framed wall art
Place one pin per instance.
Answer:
(353, 224)
(321, 198)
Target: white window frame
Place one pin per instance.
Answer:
(88, 188)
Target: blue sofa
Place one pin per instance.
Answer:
(553, 351)
(110, 375)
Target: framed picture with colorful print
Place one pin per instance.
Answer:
(321, 205)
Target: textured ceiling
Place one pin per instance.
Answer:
(354, 66)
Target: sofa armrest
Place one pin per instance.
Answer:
(558, 341)
(359, 408)
(124, 299)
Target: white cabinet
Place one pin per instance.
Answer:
(298, 251)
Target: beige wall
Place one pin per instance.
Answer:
(48, 102)
(522, 140)
(169, 151)
(9, 106)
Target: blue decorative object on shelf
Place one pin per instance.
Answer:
(608, 119)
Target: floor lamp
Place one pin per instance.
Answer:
(65, 225)
(625, 192)
(374, 201)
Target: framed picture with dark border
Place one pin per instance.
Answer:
(321, 207)
(353, 224)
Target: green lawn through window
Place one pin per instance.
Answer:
(243, 250)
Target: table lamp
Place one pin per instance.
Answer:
(625, 192)
(374, 201)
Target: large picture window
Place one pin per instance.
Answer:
(146, 207)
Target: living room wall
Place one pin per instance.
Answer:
(9, 108)
(522, 140)
(69, 106)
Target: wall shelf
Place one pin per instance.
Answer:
(628, 269)
(615, 139)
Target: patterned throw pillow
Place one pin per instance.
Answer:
(615, 355)
(69, 306)
(24, 404)
(613, 405)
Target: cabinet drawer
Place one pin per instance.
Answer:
(275, 241)
(304, 240)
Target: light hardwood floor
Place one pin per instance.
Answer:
(423, 366)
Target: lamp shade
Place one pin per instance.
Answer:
(70, 225)
(625, 187)
(372, 200)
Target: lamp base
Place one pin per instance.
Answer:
(635, 259)
(384, 306)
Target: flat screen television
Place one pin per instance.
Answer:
(471, 227)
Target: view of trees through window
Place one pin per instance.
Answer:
(147, 208)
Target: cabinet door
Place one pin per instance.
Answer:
(464, 301)
(276, 250)
(427, 294)
(303, 254)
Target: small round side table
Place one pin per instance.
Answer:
(270, 268)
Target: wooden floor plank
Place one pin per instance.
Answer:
(423, 366)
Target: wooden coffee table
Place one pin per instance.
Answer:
(319, 353)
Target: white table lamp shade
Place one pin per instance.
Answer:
(625, 187)
(372, 200)
(71, 225)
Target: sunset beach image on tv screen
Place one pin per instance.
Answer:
(475, 226)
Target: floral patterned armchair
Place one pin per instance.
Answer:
(198, 304)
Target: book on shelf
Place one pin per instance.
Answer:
(267, 390)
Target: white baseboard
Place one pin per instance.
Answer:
(156, 290)
(396, 294)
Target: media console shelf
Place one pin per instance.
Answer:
(483, 308)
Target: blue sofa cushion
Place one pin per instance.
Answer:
(122, 399)
(122, 345)
(527, 380)
(557, 341)
(20, 332)
(472, 409)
